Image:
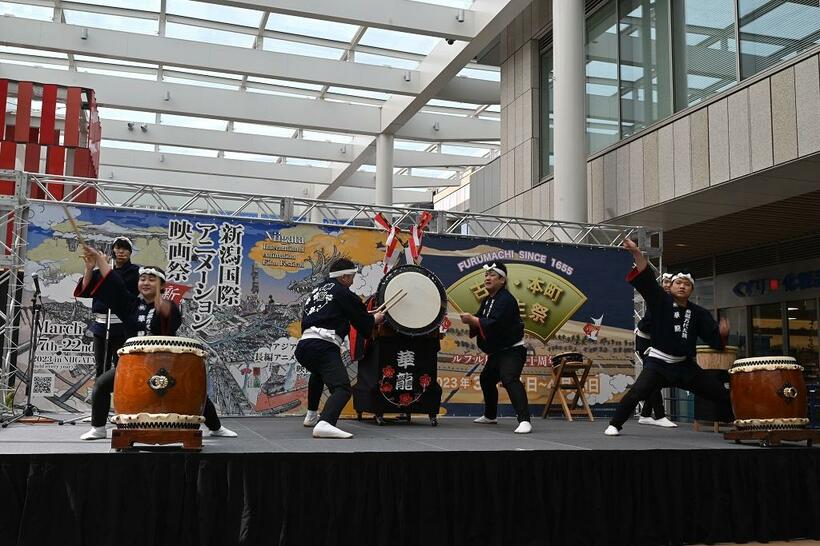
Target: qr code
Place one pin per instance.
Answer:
(43, 384)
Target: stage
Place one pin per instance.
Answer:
(404, 484)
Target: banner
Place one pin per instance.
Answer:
(241, 284)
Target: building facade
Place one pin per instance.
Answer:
(701, 118)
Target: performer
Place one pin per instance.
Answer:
(328, 313)
(500, 333)
(103, 358)
(675, 327)
(642, 343)
(145, 314)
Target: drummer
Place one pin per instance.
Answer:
(145, 314)
(676, 325)
(642, 343)
(499, 332)
(326, 318)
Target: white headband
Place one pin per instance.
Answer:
(152, 271)
(334, 274)
(667, 276)
(493, 267)
(685, 276)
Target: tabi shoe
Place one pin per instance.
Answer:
(524, 427)
(223, 432)
(96, 433)
(311, 418)
(612, 431)
(485, 421)
(664, 422)
(646, 421)
(323, 429)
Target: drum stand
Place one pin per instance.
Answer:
(30, 409)
(767, 438)
(125, 438)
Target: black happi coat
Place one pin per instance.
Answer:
(642, 337)
(333, 306)
(500, 324)
(674, 330)
(137, 316)
(130, 274)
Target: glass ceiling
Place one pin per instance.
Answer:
(247, 28)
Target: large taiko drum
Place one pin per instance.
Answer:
(710, 359)
(160, 383)
(416, 300)
(768, 393)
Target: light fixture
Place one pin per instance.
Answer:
(162, 158)
(407, 75)
(792, 318)
(84, 34)
(167, 96)
(436, 126)
(460, 16)
(130, 125)
(793, 308)
(143, 128)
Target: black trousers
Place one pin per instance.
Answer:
(324, 360)
(657, 374)
(505, 366)
(105, 361)
(654, 404)
(315, 388)
(101, 402)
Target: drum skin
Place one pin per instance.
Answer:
(778, 393)
(185, 393)
(710, 359)
(433, 306)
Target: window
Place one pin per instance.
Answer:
(547, 123)
(645, 54)
(767, 330)
(774, 31)
(602, 79)
(803, 341)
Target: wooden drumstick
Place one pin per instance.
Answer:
(381, 307)
(394, 302)
(74, 226)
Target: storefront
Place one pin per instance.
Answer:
(773, 311)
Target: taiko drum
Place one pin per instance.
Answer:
(768, 393)
(160, 383)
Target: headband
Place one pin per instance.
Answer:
(334, 274)
(685, 276)
(667, 276)
(493, 267)
(152, 271)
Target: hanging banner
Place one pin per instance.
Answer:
(241, 284)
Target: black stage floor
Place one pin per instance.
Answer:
(408, 484)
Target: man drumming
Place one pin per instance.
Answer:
(675, 327)
(105, 353)
(500, 333)
(328, 313)
(642, 343)
(145, 314)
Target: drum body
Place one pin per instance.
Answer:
(160, 383)
(424, 303)
(710, 359)
(768, 393)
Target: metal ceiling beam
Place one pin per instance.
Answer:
(253, 186)
(190, 100)
(439, 67)
(170, 162)
(400, 15)
(128, 46)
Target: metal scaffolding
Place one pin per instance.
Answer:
(137, 196)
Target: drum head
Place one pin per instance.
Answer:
(423, 305)
(162, 344)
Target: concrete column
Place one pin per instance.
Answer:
(384, 169)
(570, 191)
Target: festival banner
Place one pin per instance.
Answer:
(241, 284)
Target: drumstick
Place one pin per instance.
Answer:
(73, 225)
(380, 308)
(394, 302)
